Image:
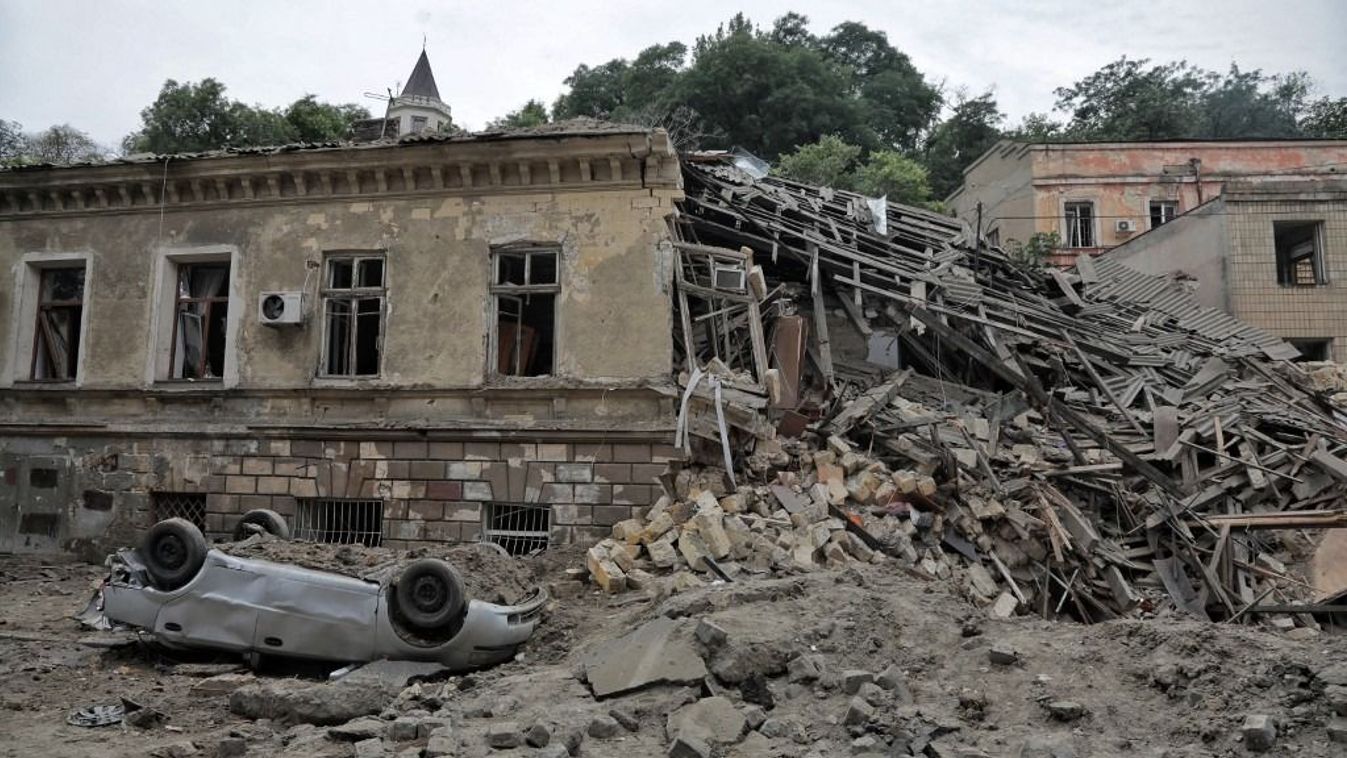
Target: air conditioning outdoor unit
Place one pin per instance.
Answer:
(280, 308)
(1125, 225)
(729, 276)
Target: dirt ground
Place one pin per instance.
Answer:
(1156, 687)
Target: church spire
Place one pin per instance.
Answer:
(422, 81)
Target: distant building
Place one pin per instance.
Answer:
(1100, 195)
(1272, 253)
(417, 109)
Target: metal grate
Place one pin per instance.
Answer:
(339, 522)
(184, 505)
(520, 529)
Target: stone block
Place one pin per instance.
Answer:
(481, 451)
(253, 466)
(410, 449)
(607, 515)
(1259, 732)
(625, 452)
(480, 491)
(240, 485)
(593, 494)
(444, 490)
(555, 452)
(463, 512)
(582, 473)
(633, 494)
(427, 469)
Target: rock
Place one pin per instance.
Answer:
(603, 727)
(1337, 730)
(713, 719)
(358, 729)
(639, 579)
(853, 679)
(322, 704)
(711, 634)
(1259, 732)
(628, 531)
(859, 712)
(605, 572)
(230, 746)
(370, 748)
(503, 735)
(552, 751)
(1044, 747)
(864, 744)
(684, 581)
(403, 729)
(441, 743)
(872, 693)
(739, 660)
(626, 718)
(754, 715)
(1065, 710)
(427, 725)
(570, 738)
(693, 549)
(1003, 654)
(221, 685)
(754, 746)
(659, 525)
(783, 729)
(183, 749)
(1004, 607)
(651, 654)
(538, 735)
(804, 668)
(662, 553)
(754, 689)
(711, 528)
(689, 746)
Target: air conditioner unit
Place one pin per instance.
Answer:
(729, 276)
(1125, 225)
(280, 308)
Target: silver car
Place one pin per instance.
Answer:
(191, 596)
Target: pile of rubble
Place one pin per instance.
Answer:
(1090, 442)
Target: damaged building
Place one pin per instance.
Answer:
(439, 339)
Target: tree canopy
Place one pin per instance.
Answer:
(193, 117)
(532, 113)
(833, 162)
(61, 144)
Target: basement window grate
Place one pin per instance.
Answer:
(339, 522)
(520, 529)
(190, 506)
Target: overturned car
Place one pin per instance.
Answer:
(191, 596)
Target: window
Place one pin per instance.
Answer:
(184, 505)
(353, 314)
(1299, 263)
(525, 287)
(520, 529)
(339, 522)
(1163, 211)
(1080, 224)
(1312, 349)
(418, 124)
(60, 308)
(200, 314)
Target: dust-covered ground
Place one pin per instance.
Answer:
(787, 652)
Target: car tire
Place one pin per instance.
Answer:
(267, 520)
(429, 595)
(173, 551)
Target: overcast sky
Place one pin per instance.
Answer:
(96, 63)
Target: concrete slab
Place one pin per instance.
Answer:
(658, 652)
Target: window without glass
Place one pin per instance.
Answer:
(1312, 349)
(353, 313)
(1299, 262)
(199, 317)
(525, 287)
(418, 124)
(60, 307)
(1080, 224)
(1163, 211)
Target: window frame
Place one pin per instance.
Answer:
(352, 295)
(497, 290)
(179, 301)
(74, 351)
(1068, 222)
(1162, 204)
(1286, 270)
(16, 366)
(163, 314)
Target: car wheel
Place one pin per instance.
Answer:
(261, 519)
(429, 594)
(173, 551)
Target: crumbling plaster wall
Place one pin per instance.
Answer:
(613, 314)
(1194, 245)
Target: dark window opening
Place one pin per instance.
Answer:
(339, 522)
(1299, 263)
(1080, 224)
(60, 309)
(200, 315)
(1313, 349)
(1163, 211)
(353, 309)
(44, 478)
(520, 529)
(184, 505)
(97, 500)
(526, 284)
(40, 524)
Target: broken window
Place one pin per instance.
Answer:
(1163, 211)
(1080, 224)
(60, 309)
(353, 314)
(418, 124)
(184, 505)
(1312, 349)
(1299, 263)
(339, 521)
(520, 529)
(524, 289)
(199, 316)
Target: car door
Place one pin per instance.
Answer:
(315, 614)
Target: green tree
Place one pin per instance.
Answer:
(1130, 100)
(1036, 251)
(1325, 117)
(314, 121)
(897, 104)
(11, 142)
(828, 162)
(532, 113)
(1037, 127)
(61, 145)
(1251, 104)
(890, 173)
(972, 127)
